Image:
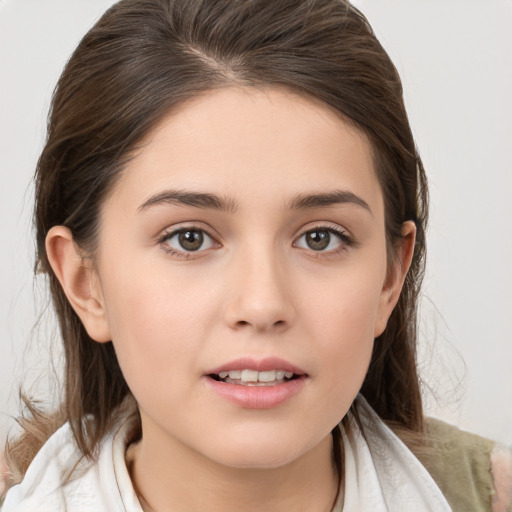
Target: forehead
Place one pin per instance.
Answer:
(241, 141)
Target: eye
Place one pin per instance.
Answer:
(323, 240)
(187, 240)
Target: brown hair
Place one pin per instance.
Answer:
(141, 60)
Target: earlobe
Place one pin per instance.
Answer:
(397, 272)
(79, 282)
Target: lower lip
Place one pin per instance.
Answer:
(257, 397)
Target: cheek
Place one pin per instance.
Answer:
(342, 320)
(152, 299)
(347, 342)
(153, 319)
(345, 305)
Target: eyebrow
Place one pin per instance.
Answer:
(195, 199)
(306, 201)
(211, 201)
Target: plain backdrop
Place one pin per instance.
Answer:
(454, 57)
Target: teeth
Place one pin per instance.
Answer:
(248, 376)
(267, 376)
(253, 376)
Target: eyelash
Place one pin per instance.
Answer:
(181, 254)
(345, 240)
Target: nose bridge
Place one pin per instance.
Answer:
(258, 294)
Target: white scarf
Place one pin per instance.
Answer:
(381, 474)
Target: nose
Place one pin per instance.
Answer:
(259, 293)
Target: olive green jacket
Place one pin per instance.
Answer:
(460, 464)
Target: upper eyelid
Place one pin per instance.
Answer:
(198, 225)
(345, 237)
(170, 231)
(329, 226)
(340, 233)
(169, 234)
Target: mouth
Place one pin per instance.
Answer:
(249, 377)
(253, 383)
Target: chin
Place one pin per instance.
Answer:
(257, 460)
(257, 453)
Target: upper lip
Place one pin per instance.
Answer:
(260, 365)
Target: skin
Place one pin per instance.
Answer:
(254, 289)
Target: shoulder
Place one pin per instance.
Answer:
(501, 468)
(44, 474)
(60, 479)
(474, 473)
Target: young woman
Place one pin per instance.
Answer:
(231, 213)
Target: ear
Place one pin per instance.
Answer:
(397, 272)
(79, 281)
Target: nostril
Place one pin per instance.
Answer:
(244, 323)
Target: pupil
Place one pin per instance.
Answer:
(318, 240)
(191, 240)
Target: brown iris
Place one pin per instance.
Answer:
(191, 240)
(318, 240)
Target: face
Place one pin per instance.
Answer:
(242, 270)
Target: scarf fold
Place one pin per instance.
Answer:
(381, 473)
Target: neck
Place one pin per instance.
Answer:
(172, 477)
